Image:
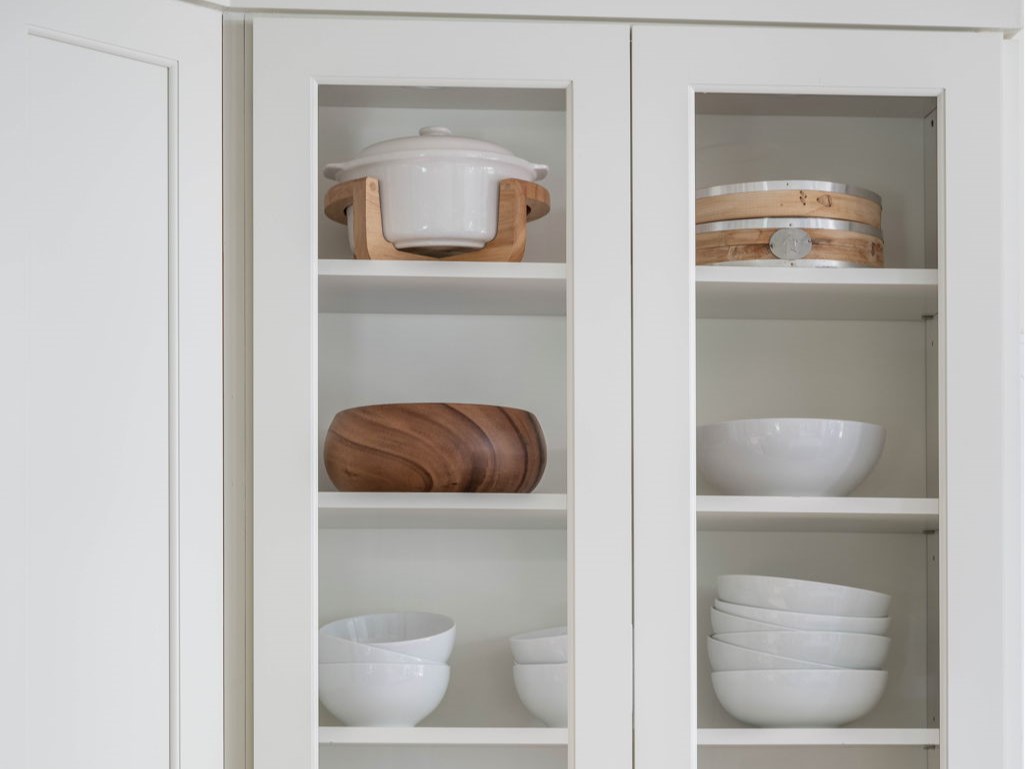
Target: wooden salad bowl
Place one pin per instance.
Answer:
(435, 447)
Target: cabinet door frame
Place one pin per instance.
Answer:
(963, 70)
(291, 56)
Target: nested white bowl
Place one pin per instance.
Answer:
(801, 595)
(334, 649)
(545, 646)
(789, 457)
(418, 634)
(725, 656)
(859, 651)
(799, 698)
(544, 691)
(360, 694)
(723, 622)
(771, 619)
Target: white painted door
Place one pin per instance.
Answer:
(332, 86)
(112, 652)
(742, 101)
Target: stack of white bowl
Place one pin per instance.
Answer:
(793, 653)
(385, 669)
(541, 673)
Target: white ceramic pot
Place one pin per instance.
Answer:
(438, 191)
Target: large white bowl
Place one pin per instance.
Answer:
(799, 698)
(540, 646)
(844, 650)
(771, 619)
(415, 633)
(334, 649)
(359, 694)
(788, 457)
(724, 656)
(800, 595)
(544, 691)
(731, 623)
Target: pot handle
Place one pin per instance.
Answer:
(334, 171)
(540, 171)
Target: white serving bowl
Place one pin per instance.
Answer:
(725, 656)
(360, 694)
(334, 649)
(771, 619)
(843, 650)
(438, 191)
(540, 646)
(419, 634)
(800, 595)
(730, 623)
(544, 691)
(788, 457)
(799, 698)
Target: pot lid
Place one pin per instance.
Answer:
(432, 138)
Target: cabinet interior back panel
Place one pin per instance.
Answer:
(891, 563)
(885, 155)
(870, 371)
(503, 360)
(537, 135)
(494, 584)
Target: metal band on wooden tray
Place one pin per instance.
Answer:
(789, 198)
(832, 240)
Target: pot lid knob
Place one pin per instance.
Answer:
(435, 130)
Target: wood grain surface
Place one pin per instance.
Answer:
(802, 203)
(840, 245)
(435, 447)
(519, 202)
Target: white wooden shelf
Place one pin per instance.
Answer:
(442, 288)
(428, 735)
(797, 737)
(841, 514)
(393, 510)
(815, 293)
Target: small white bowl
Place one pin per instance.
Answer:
(332, 649)
(415, 633)
(799, 698)
(801, 595)
(731, 623)
(544, 691)
(788, 457)
(843, 650)
(724, 656)
(540, 646)
(770, 619)
(360, 694)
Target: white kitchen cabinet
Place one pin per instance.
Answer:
(606, 331)
(920, 346)
(551, 334)
(110, 558)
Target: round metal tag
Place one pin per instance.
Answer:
(790, 243)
